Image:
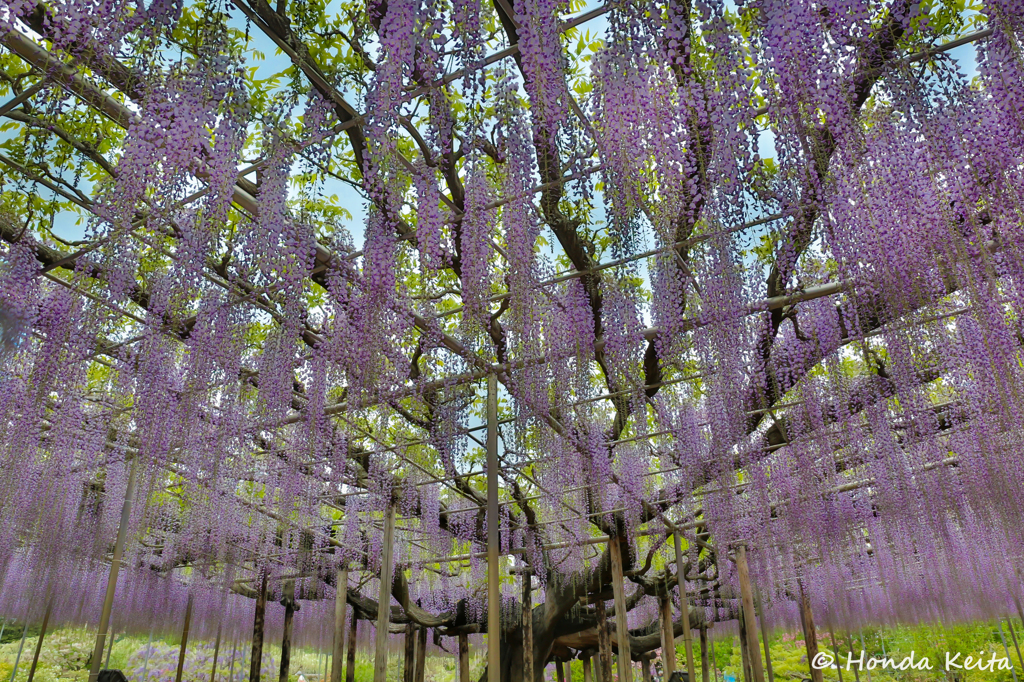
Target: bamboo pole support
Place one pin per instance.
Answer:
(350, 655)
(288, 600)
(668, 640)
(705, 670)
(645, 665)
(216, 653)
(380, 661)
(340, 601)
(409, 662)
(810, 636)
(770, 672)
(587, 677)
(527, 626)
(184, 639)
(493, 528)
(621, 628)
(421, 654)
(559, 672)
(115, 567)
(604, 644)
(684, 604)
(464, 658)
(39, 642)
(750, 618)
(256, 659)
(568, 670)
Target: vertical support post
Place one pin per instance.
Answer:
(17, 659)
(587, 677)
(568, 670)
(231, 663)
(1013, 668)
(493, 568)
(340, 599)
(350, 656)
(621, 628)
(810, 636)
(110, 649)
(421, 654)
(835, 652)
(559, 674)
(668, 637)
(380, 662)
(1013, 636)
(115, 567)
(464, 658)
(749, 616)
(714, 661)
(149, 651)
(604, 643)
(764, 638)
(645, 665)
(409, 663)
(705, 670)
(184, 639)
(849, 641)
(684, 604)
(745, 647)
(39, 643)
(527, 626)
(216, 653)
(256, 659)
(288, 599)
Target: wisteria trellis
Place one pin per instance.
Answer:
(751, 269)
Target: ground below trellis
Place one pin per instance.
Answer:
(65, 653)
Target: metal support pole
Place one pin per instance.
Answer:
(17, 659)
(380, 661)
(493, 559)
(115, 567)
(184, 639)
(1013, 668)
(340, 601)
(621, 628)
(750, 618)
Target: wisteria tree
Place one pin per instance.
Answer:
(747, 275)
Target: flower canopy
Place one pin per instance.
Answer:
(744, 273)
